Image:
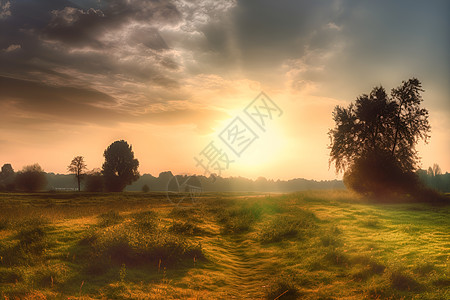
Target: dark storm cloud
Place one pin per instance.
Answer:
(385, 42)
(64, 44)
(33, 24)
(84, 27)
(69, 104)
(335, 44)
(261, 35)
(41, 104)
(120, 50)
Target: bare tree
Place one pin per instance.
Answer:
(77, 167)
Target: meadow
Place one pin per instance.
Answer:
(305, 245)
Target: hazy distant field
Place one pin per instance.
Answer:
(309, 245)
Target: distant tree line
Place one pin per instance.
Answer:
(30, 179)
(238, 184)
(118, 171)
(93, 181)
(434, 178)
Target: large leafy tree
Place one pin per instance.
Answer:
(373, 141)
(7, 176)
(78, 167)
(120, 167)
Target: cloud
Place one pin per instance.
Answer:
(79, 27)
(166, 55)
(5, 9)
(12, 47)
(32, 104)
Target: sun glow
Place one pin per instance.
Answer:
(261, 154)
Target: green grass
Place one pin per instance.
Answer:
(308, 245)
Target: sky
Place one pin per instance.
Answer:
(172, 78)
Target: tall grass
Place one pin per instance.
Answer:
(235, 220)
(136, 241)
(298, 224)
(312, 245)
(27, 245)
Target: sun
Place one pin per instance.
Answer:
(263, 154)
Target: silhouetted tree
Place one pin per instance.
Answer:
(434, 171)
(94, 181)
(120, 166)
(145, 188)
(31, 178)
(77, 167)
(374, 139)
(7, 178)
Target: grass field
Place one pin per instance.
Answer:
(308, 245)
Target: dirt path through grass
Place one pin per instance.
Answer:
(245, 267)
